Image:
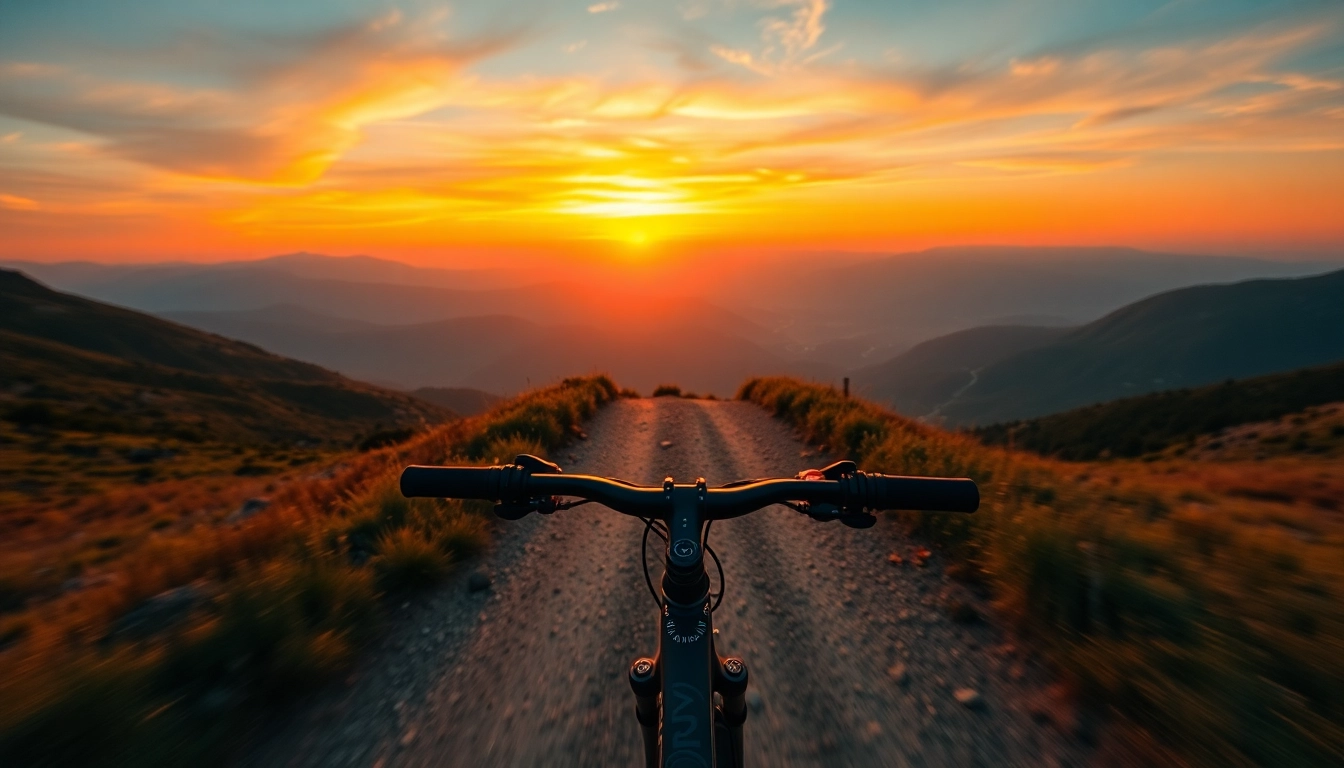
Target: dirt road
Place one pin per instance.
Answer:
(854, 661)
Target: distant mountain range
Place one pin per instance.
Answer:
(706, 322)
(1183, 338)
(97, 279)
(900, 300)
(77, 364)
(839, 311)
(505, 354)
(407, 357)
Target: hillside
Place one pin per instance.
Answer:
(1184, 338)
(437, 353)
(1150, 423)
(917, 382)
(68, 363)
(460, 400)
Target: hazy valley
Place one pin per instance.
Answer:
(501, 332)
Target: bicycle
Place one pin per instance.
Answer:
(689, 701)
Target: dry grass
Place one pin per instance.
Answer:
(1209, 617)
(407, 559)
(286, 596)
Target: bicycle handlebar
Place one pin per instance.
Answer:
(516, 483)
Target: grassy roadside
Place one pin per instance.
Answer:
(1213, 623)
(186, 639)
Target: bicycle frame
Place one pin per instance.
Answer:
(688, 730)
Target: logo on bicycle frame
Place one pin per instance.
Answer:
(678, 635)
(683, 548)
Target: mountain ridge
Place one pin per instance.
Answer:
(1182, 338)
(921, 379)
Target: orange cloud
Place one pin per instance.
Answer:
(285, 126)
(16, 203)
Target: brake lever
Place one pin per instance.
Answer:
(827, 512)
(537, 465)
(839, 470)
(517, 510)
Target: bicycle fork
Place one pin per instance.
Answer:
(730, 712)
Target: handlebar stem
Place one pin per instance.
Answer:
(685, 579)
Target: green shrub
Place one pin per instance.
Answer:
(504, 450)
(407, 560)
(667, 390)
(460, 533)
(545, 417)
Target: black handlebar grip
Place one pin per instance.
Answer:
(452, 482)
(925, 494)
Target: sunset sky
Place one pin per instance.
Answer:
(473, 131)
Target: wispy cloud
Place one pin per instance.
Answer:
(285, 124)
(16, 203)
(784, 39)
(603, 7)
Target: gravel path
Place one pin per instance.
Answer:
(854, 661)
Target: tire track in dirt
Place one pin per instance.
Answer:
(532, 670)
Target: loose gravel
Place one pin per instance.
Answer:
(855, 660)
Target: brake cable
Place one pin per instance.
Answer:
(656, 526)
(644, 557)
(723, 586)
